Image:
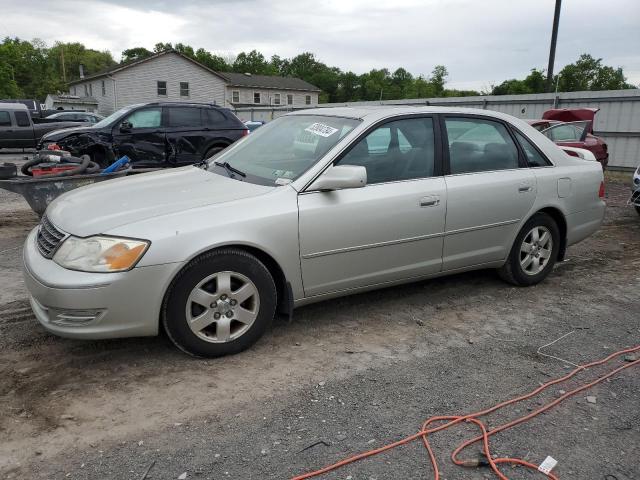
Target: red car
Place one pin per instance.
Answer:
(573, 127)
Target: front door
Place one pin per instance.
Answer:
(490, 191)
(141, 137)
(389, 230)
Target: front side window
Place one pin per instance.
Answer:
(289, 99)
(307, 100)
(567, 132)
(184, 89)
(184, 117)
(256, 97)
(276, 99)
(146, 118)
(534, 157)
(283, 149)
(478, 145)
(398, 150)
(22, 119)
(5, 119)
(162, 88)
(235, 96)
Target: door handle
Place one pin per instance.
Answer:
(525, 188)
(430, 201)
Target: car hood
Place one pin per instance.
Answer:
(59, 134)
(104, 206)
(571, 115)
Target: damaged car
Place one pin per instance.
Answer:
(152, 135)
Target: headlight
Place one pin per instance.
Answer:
(100, 254)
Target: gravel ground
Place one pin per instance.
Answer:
(345, 376)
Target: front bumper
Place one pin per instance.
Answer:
(95, 305)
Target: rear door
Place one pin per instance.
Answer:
(141, 137)
(23, 133)
(185, 135)
(490, 190)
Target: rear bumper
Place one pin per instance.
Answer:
(93, 306)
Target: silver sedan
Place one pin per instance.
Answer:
(314, 205)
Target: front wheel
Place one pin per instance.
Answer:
(219, 304)
(637, 207)
(534, 252)
(212, 151)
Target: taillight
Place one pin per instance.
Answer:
(245, 132)
(601, 191)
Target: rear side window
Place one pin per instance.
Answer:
(184, 117)
(534, 158)
(22, 119)
(478, 145)
(5, 119)
(214, 117)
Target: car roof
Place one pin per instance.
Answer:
(14, 106)
(376, 112)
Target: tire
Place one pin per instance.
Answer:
(637, 207)
(524, 267)
(230, 322)
(212, 151)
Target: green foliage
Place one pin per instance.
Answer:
(136, 53)
(587, 73)
(31, 70)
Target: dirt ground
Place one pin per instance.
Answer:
(345, 376)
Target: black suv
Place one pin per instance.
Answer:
(153, 134)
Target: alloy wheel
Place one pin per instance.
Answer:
(536, 250)
(222, 307)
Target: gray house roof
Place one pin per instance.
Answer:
(73, 99)
(267, 81)
(233, 79)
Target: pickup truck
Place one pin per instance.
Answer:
(17, 130)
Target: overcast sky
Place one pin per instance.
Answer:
(481, 42)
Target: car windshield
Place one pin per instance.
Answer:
(105, 122)
(282, 150)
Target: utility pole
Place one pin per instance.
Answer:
(64, 72)
(552, 50)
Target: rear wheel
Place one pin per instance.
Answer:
(220, 304)
(637, 209)
(534, 252)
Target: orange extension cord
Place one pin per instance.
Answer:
(452, 420)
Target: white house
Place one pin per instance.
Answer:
(171, 76)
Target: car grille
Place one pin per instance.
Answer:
(49, 238)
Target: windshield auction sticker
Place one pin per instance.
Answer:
(321, 129)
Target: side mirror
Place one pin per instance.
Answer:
(126, 126)
(340, 177)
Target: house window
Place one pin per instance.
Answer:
(91, 90)
(235, 96)
(162, 89)
(289, 99)
(276, 99)
(256, 97)
(307, 99)
(74, 92)
(184, 89)
(104, 89)
(86, 90)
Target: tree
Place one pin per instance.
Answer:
(214, 62)
(252, 62)
(162, 47)
(588, 73)
(135, 53)
(438, 79)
